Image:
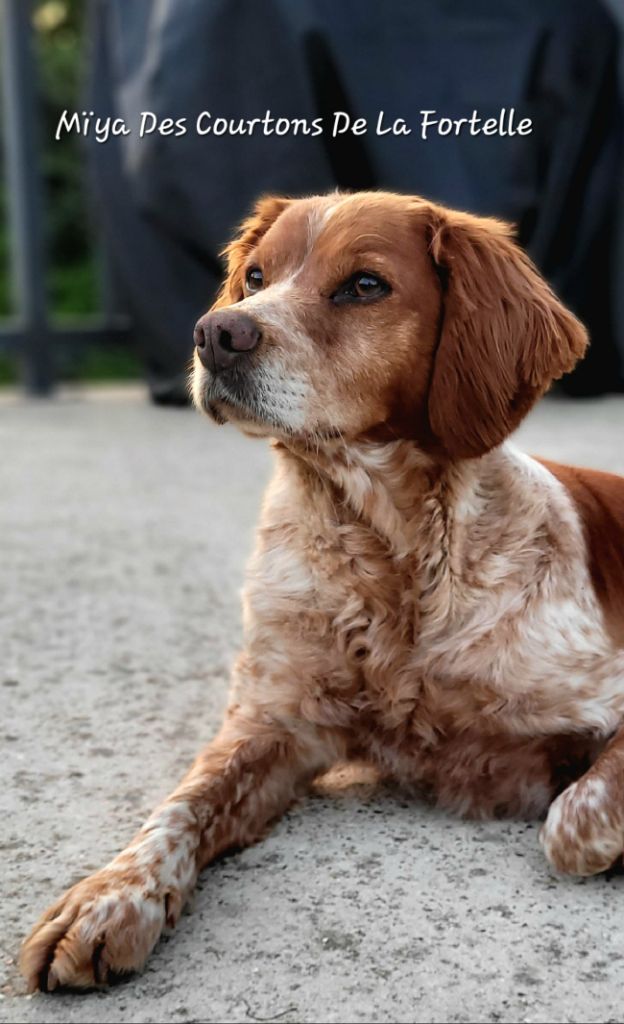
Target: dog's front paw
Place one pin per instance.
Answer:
(106, 924)
(584, 830)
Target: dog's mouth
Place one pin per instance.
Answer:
(222, 410)
(231, 397)
(235, 398)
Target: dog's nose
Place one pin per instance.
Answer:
(223, 336)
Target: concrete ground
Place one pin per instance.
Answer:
(123, 533)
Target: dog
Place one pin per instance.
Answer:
(422, 595)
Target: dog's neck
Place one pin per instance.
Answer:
(458, 529)
(401, 493)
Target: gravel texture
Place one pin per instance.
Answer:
(123, 534)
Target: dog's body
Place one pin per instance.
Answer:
(422, 595)
(486, 674)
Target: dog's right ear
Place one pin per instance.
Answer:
(265, 213)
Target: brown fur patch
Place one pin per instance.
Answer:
(599, 498)
(505, 336)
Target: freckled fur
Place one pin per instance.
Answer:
(422, 596)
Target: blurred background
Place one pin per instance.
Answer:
(109, 251)
(124, 526)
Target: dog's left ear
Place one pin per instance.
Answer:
(504, 335)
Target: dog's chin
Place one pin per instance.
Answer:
(213, 398)
(229, 409)
(243, 419)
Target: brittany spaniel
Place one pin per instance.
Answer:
(422, 595)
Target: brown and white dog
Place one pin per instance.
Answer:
(422, 595)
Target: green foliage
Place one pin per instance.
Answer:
(59, 48)
(74, 287)
(6, 306)
(100, 364)
(59, 36)
(8, 371)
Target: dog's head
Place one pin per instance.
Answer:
(382, 316)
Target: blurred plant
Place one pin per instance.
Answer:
(49, 15)
(71, 278)
(5, 284)
(59, 35)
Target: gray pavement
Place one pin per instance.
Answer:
(123, 534)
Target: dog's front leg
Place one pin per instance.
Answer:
(110, 921)
(584, 830)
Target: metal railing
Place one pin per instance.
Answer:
(30, 336)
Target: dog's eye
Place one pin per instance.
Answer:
(361, 287)
(254, 279)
